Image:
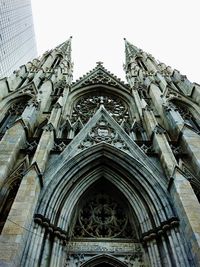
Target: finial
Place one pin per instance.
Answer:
(99, 63)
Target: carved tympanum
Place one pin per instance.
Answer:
(102, 216)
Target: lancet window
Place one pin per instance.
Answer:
(12, 114)
(9, 194)
(187, 116)
(141, 63)
(57, 61)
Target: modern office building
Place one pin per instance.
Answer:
(98, 172)
(17, 37)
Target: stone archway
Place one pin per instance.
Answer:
(103, 260)
(104, 222)
(133, 184)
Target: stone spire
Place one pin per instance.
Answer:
(130, 50)
(59, 57)
(65, 48)
(139, 58)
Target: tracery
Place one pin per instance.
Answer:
(103, 215)
(86, 106)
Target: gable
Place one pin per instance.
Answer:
(103, 129)
(99, 76)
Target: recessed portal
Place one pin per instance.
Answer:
(103, 212)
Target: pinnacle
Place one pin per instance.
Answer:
(130, 48)
(65, 47)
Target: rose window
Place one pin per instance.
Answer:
(87, 106)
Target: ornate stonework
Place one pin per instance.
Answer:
(103, 132)
(101, 217)
(97, 172)
(86, 107)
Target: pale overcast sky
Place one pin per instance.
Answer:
(169, 30)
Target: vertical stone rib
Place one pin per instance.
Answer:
(13, 238)
(169, 264)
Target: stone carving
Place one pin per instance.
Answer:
(147, 148)
(177, 150)
(171, 94)
(77, 260)
(80, 252)
(87, 106)
(97, 247)
(103, 217)
(136, 256)
(31, 146)
(59, 87)
(103, 132)
(169, 106)
(29, 88)
(100, 76)
(188, 117)
(34, 102)
(59, 146)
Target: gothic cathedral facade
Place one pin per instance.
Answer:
(99, 172)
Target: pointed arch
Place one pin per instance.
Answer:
(10, 189)
(57, 60)
(143, 191)
(102, 259)
(188, 110)
(38, 131)
(183, 101)
(11, 110)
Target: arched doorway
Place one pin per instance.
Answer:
(83, 228)
(104, 222)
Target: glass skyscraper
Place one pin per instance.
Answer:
(17, 37)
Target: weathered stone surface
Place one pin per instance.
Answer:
(99, 171)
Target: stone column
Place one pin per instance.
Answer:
(17, 226)
(137, 101)
(35, 252)
(153, 251)
(155, 94)
(166, 252)
(29, 244)
(47, 139)
(60, 253)
(191, 145)
(54, 252)
(188, 209)
(160, 142)
(46, 256)
(190, 140)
